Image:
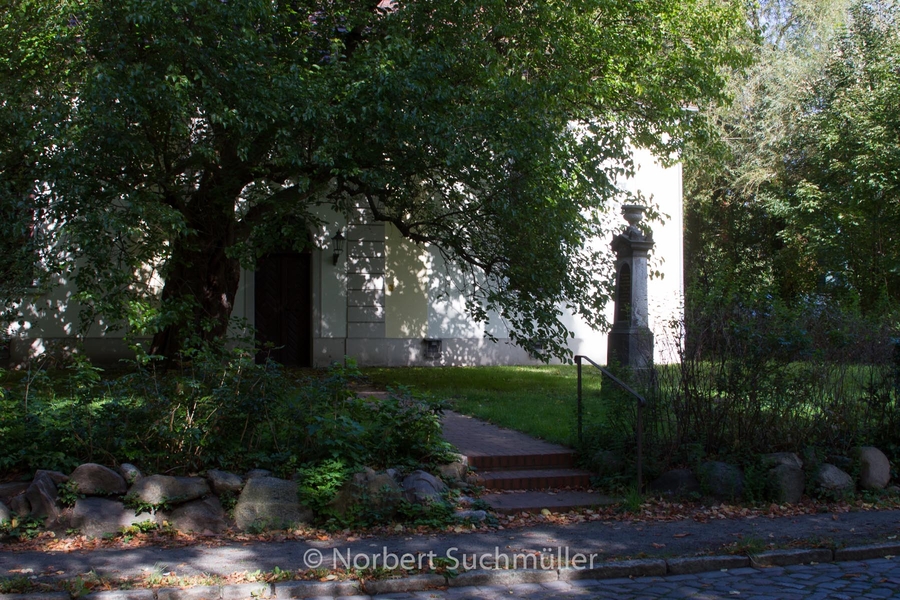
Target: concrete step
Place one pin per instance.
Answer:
(534, 479)
(534, 502)
(507, 462)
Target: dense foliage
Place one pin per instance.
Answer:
(798, 195)
(221, 410)
(760, 378)
(186, 138)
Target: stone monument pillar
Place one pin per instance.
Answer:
(630, 340)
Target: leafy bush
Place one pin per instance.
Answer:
(319, 483)
(217, 409)
(759, 377)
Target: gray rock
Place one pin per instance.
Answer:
(159, 489)
(97, 517)
(379, 493)
(222, 481)
(893, 490)
(5, 513)
(92, 479)
(55, 476)
(455, 471)
(677, 482)
(254, 473)
(721, 480)
(874, 468)
(393, 473)
(474, 479)
(420, 487)
(130, 472)
(200, 516)
(475, 516)
(460, 458)
(831, 480)
(41, 496)
(271, 503)
(786, 482)
(11, 489)
(782, 458)
(19, 505)
(383, 493)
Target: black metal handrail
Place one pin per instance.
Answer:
(641, 402)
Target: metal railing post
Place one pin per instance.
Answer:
(580, 405)
(640, 414)
(640, 447)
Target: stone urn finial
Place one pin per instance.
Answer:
(633, 213)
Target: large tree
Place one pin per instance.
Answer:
(734, 246)
(842, 162)
(798, 196)
(189, 137)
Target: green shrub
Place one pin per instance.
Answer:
(320, 483)
(759, 376)
(217, 409)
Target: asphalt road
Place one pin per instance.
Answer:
(604, 539)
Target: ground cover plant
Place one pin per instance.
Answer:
(220, 409)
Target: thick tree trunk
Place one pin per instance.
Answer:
(201, 284)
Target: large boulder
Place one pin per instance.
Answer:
(378, 492)
(269, 502)
(874, 468)
(92, 479)
(420, 487)
(721, 480)
(11, 489)
(55, 476)
(41, 496)
(222, 481)
(130, 472)
(781, 458)
(832, 481)
(677, 482)
(200, 516)
(163, 489)
(19, 505)
(453, 472)
(97, 517)
(5, 513)
(786, 483)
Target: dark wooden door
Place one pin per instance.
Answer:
(284, 308)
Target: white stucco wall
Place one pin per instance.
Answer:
(420, 283)
(416, 295)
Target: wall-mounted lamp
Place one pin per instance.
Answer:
(337, 244)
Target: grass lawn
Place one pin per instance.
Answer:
(540, 401)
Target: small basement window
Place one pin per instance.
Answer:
(433, 349)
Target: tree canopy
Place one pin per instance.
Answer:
(798, 196)
(186, 138)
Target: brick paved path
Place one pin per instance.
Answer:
(871, 580)
(475, 439)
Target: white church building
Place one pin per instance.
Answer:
(383, 301)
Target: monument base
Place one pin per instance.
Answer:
(630, 346)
